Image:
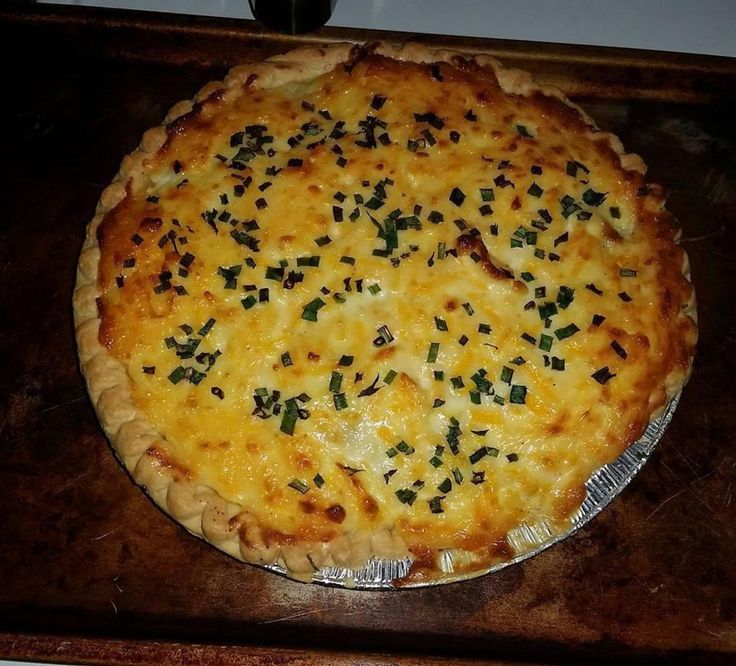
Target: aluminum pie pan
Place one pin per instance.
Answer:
(527, 540)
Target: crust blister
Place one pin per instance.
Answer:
(200, 509)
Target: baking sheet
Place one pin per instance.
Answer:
(84, 557)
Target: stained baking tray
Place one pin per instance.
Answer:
(91, 572)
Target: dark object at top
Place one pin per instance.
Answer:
(293, 16)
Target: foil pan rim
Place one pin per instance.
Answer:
(603, 486)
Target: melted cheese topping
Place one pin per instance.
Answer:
(383, 299)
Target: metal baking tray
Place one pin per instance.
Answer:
(91, 573)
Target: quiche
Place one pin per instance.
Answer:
(358, 303)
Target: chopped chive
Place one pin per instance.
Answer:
(374, 203)
(434, 349)
(445, 486)
(308, 261)
(274, 273)
(478, 455)
(177, 375)
(547, 310)
(558, 363)
(405, 448)
(506, 374)
(318, 481)
(335, 381)
(603, 375)
(288, 421)
(619, 349)
(518, 394)
(457, 196)
(501, 181)
(435, 217)
(345, 360)
(593, 198)
(435, 461)
(435, 504)
(299, 486)
(440, 323)
(322, 240)
(207, 327)
(371, 389)
(598, 319)
(566, 332)
(378, 101)
(535, 191)
(310, 309)
(565, 297)
(486, 194)
(406, 496)
(384, 336)
(340, 401)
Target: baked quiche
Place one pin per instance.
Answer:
(378, 301)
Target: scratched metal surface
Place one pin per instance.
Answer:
(84, 553)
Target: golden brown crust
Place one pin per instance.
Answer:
(228, 525)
